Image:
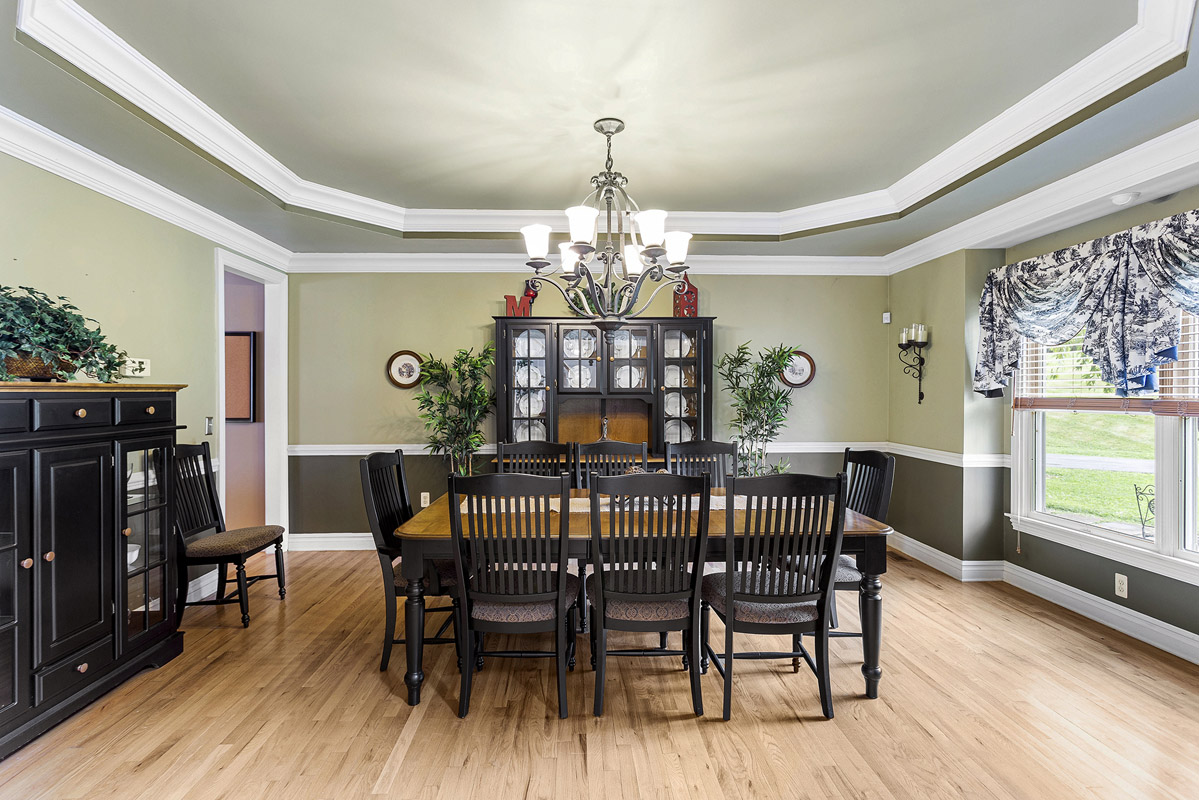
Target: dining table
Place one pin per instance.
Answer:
(427, 536)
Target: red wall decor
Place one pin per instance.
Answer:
(524, 306)
(686, 303)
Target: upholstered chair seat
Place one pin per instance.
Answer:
(447, 575)
(544, 611)
(715, 592)
(639, 610)
(234, 542)
(847, 570)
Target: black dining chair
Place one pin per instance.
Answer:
(869, 475)
(607, 457)
(385, 493)
(780, 579)
(718, 459)
(510, 560)
(649, 534)
(534, 458)
(201, 538)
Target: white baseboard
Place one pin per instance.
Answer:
(965, 571)
(1150, 630)
(330, 541)
(202, 586)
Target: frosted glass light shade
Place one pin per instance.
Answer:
(537, 240)
(569, 258)
(652, 225)
(582, 223)
(632, 260)
(676, 246)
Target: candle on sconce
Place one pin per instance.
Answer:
(905, 335)
(920, 334)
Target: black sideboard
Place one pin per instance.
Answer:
(87, 571)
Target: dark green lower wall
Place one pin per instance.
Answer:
(326, 491)
(1163, 598)
(926, 503)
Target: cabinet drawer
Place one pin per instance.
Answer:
(14, 416)
(72, 672)
(67, 413)
(141, 410)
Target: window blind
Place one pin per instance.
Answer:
(1063, 377)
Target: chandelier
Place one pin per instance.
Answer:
(614, 249)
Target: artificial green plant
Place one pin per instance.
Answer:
(33, 324)
(760, 402)
(454, 400)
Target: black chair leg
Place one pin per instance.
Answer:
(796, 643)
(697, 693)
(582, 566)
(181, 595)
(591, 635)
(243, 593)
(279, 569)
(728, 665)
(222, 576)
(662, 640)
(457, 636)
(560, 659)
(600, 656)
(705, 611)
(478, 651)
(822, 672)
(389, 627)
(573, 638)
(833, 607)
(468, 655)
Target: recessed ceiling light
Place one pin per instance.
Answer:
(1124, 198)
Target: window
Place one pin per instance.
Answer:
(1110, 474)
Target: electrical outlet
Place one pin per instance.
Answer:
(424, 499)
(136, 368)
(886, 317)
(1121, 586)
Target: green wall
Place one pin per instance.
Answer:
(148, 283)
(343, 327)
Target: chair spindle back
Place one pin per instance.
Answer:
(870, 475)
(718, 459)
(385, 493)
(197, 507)
(534, 458)
(607, 458)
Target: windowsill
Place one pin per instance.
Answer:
(1136, 554)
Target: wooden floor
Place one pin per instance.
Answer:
(987, 692)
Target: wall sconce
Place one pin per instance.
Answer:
(912, 341)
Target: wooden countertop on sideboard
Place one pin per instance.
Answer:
(71, 386)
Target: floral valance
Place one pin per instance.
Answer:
(1126, 290)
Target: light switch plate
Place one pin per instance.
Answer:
(886, 317)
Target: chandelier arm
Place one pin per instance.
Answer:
(679, 288)
(537, 284)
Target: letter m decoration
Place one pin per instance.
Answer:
(519, 308)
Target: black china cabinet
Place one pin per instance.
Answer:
(559, 379)
(86, 568)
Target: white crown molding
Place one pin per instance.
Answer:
(1153, 631)
(65, 28)
(25, 139)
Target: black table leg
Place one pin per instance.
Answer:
(870, 605)
(414, 637)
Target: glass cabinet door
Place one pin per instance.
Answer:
(681, 399)
(579, 357)
(144, 540)
(629, 363)
(15, 569)
(529, 375)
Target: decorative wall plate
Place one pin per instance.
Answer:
(799, 371)
(403, 368)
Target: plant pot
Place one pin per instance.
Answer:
(34, 368)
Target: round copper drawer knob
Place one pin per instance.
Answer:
(547, 388)
(150, 410)
(81, 412)
(49, 556)
(82, 667)
(27, 563)
(127, 531)
(611, 358)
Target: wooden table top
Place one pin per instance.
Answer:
(434, 522)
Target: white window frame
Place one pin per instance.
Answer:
(1176, 480)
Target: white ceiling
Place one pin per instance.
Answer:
(751, 106)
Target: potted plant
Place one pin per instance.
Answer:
(45, 339)
(760, 403)
(455, 399)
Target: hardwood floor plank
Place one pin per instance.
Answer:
(987, 692)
